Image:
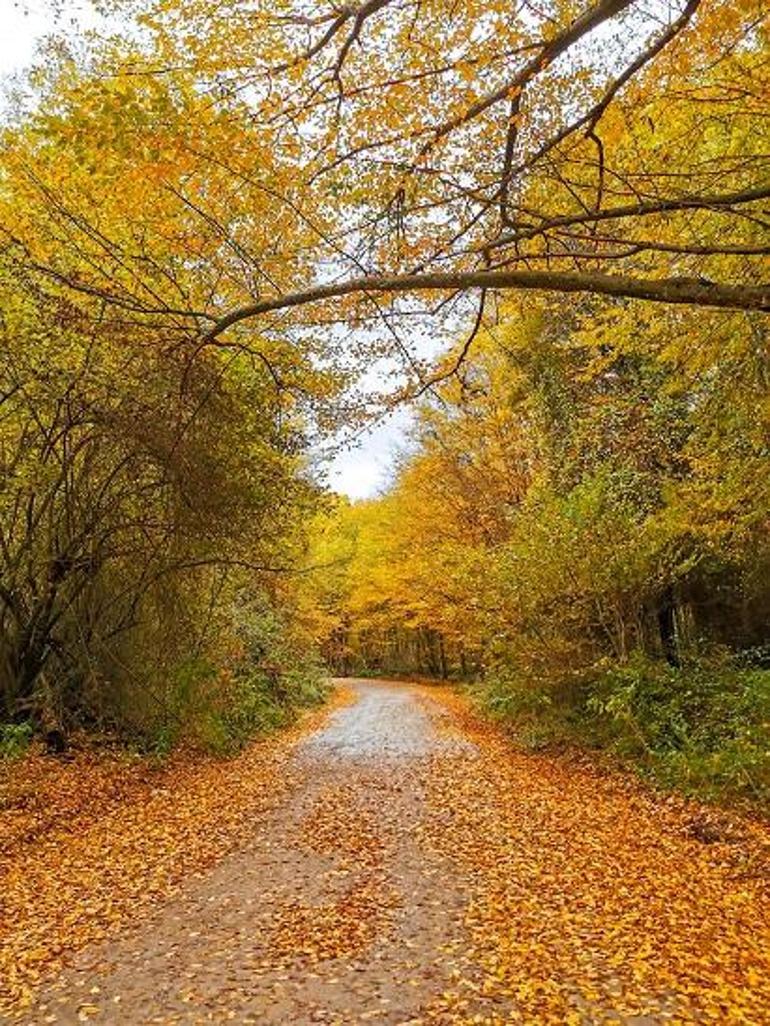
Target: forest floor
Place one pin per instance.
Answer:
(392, 861)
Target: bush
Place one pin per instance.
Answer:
(15, 738)
(276, 673)
(221, 712)
(703, 728)
(260, 704)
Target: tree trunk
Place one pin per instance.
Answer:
(667, 626)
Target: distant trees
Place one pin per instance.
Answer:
(582, 526)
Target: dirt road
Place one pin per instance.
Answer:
(421, 871)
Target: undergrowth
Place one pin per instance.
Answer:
(702, 728)
(270, 674)
(15, 739)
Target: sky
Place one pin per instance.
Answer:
(363, 468)
(22, 24)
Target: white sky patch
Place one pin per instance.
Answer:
(365, 468)
(21, 26)
(25, 24)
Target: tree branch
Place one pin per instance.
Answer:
(641, 209)
(550, 50)
(692, 291)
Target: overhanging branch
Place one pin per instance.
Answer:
(692, 291)
(631, 210)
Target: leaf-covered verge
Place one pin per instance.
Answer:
(702, 728)
(557, 891)
(593, 899)
(90, 844)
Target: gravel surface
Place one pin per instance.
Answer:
(387, 721)
(334, 913)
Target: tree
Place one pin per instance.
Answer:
(586, 486)
(307, 164)
(141, 500)
(227, 232)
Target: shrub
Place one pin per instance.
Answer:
(703, 728)
(15, 738)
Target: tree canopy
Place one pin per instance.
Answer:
(224, 161)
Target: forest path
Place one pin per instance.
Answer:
(420, 871)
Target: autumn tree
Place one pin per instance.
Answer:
(313, 161)
(146, 507)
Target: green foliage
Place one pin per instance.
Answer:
(703, 728)
(272, 672)
(15, 739)
(510, 700)
(261, 703)
(140, 499)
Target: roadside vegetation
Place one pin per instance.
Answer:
(235, 235)
(149, 511)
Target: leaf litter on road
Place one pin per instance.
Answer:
(475, 885)
(89, 845)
